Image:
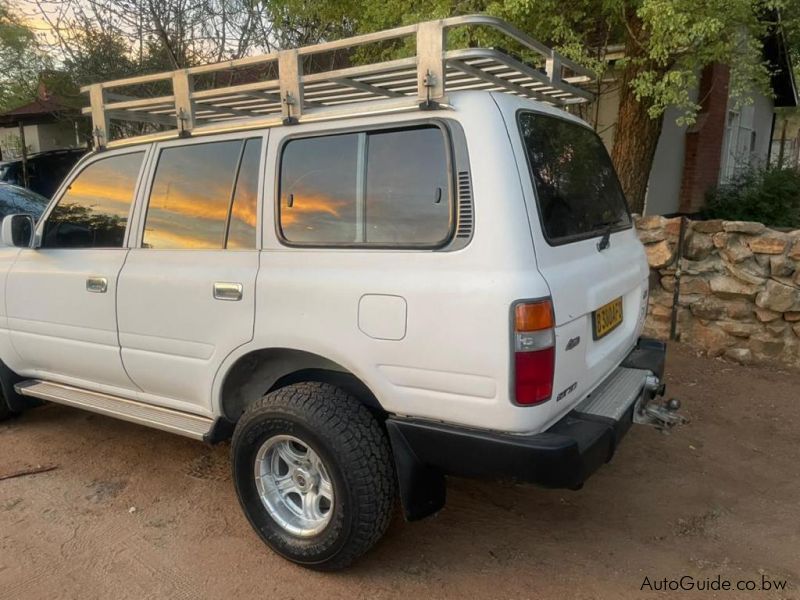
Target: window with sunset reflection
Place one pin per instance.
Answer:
(400, 197)
(93, 212)
(190, 196)
(244, 212)
(318, 189)
(196, 193)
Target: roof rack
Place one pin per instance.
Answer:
(273, 89)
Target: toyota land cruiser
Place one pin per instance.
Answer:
(368, 278)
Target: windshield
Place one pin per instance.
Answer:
(578, 193)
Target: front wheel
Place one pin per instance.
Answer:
(313, 473)
(5, 410)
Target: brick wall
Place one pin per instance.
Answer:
(703, 155)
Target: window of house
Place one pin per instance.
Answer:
(93, 212)
(380, 188)
(204, 196)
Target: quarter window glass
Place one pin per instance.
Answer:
(191, 195)
(242, 231)
(577, 188)
(318, 189)
(382, 188)
(93, 212)
(407, 187)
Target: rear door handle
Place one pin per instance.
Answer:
(227, 291)
(97, 285)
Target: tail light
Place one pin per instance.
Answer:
(534, 352)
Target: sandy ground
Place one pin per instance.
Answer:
(136, 513)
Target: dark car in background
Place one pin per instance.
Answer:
(46, 170)
(16, 200)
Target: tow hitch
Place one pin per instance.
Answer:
(662, 415)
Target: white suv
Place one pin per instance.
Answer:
(365, 305)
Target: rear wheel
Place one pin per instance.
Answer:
(313, 473)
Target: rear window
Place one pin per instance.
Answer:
(578, 193)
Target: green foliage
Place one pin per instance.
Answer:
(668, 41)
(769, 196)
(20, 60)
(97, 55)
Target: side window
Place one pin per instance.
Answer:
(379, 188)
(195, 195)
(407, 187)
(319, 188)
(93, 212)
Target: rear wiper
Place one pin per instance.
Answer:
(605, 241)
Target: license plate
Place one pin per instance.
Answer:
(607, 318)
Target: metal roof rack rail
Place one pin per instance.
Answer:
(272, 89)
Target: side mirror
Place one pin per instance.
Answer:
(17, 231)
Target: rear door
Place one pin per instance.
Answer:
(585, 244)
(187, 290)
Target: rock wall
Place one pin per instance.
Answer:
(739, 288)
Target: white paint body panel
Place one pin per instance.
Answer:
(58, 328)
(173, 333)
(382, 317)
(431, 340)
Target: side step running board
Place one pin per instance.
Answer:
(166, 419)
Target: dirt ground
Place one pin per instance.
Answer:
(136, 513)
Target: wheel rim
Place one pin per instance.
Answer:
(294, 485)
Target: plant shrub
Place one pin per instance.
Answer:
(769, 196)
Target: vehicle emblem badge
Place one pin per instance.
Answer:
(573, 342)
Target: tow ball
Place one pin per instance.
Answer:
(662, 415)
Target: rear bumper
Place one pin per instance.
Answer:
(564, 456)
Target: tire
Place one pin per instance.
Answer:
(356, 468)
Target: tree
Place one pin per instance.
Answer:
(156, 34)
(98, 55)
(667, 43)
(20, 59)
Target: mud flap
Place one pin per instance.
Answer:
(423, 489)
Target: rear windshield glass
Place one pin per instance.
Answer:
(577, 188)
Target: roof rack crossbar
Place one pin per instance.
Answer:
(270, 89)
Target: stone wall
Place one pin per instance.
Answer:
(739, 288)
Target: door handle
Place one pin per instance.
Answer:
(227, 291)
(97, 285)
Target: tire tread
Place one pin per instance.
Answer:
(358, 440)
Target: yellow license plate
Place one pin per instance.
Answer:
(607, 318)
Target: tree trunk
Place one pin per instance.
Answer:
(636, 135)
